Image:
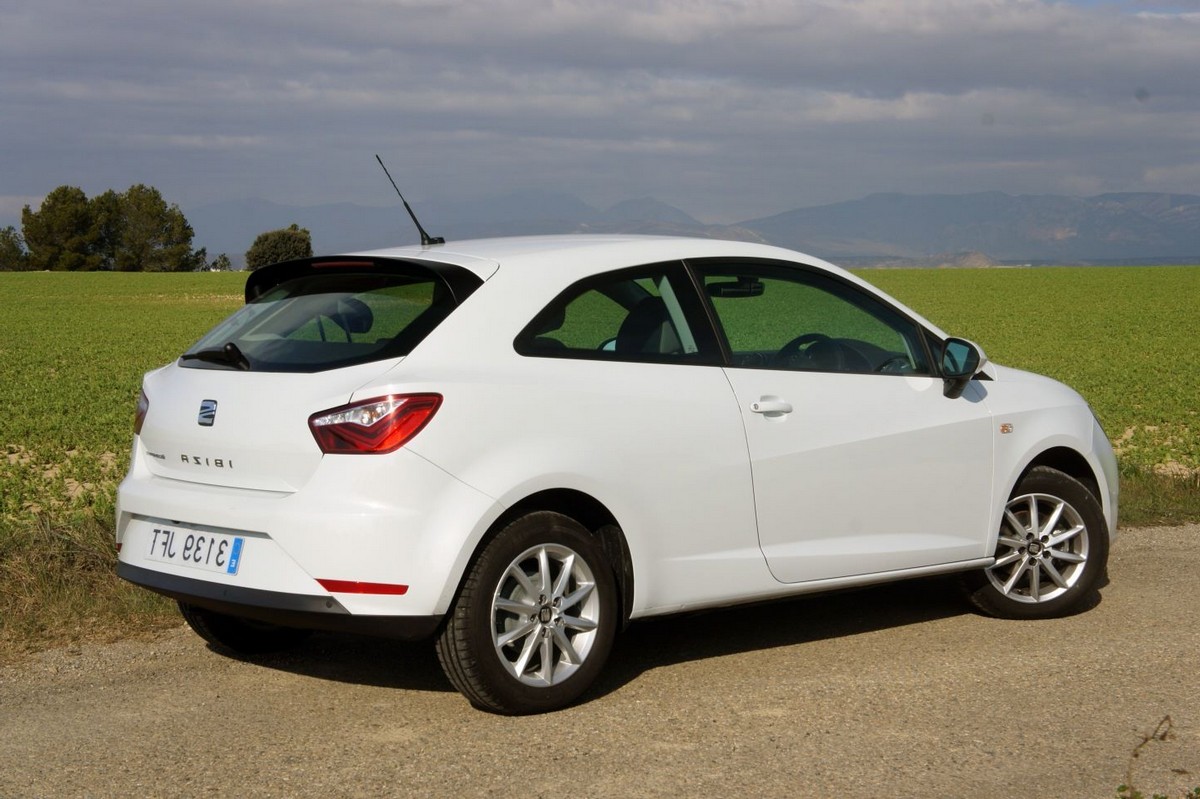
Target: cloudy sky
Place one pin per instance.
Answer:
(729, 109)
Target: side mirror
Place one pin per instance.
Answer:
(961, 360)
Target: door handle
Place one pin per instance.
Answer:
(771, 406)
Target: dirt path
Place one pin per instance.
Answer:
(890, 692)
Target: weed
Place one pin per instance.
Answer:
(1149, 499)
(1163, 731)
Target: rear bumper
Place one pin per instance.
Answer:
(394, 521)
(306, 611)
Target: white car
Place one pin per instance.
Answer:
(517, 446)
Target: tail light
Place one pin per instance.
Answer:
(375, 426)
(139, 415)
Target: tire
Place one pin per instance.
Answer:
(241, 636)
(1051, 553)
(534, 619)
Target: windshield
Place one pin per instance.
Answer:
(326, 321)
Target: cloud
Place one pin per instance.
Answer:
(728, 108)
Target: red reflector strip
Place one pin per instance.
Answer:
(353, 587)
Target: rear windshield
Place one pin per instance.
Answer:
(326, 321)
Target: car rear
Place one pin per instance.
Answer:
(269, 479)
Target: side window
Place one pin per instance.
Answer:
(643, 314)
(784, 318)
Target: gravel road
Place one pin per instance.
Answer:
(889, 692)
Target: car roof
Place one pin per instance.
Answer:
(575, 256)
(584, 253)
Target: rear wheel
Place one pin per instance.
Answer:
(1050, 554)
(243, 636)
(534, 620)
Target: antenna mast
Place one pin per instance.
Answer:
(426, 239)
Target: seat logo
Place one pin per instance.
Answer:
(208, 413)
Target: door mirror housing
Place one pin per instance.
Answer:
(961, 360)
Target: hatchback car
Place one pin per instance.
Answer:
(518, 446)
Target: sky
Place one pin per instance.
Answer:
(727, 109)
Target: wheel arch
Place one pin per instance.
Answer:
(1069, 462)
(594, 516)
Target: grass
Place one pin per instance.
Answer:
(60, 587)
(74, 347)
(1122, 337)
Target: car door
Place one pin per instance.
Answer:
(635, 403)
(860, 464)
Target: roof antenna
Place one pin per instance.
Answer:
(426, 239)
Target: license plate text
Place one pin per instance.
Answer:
(209, 551)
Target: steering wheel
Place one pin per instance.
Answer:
(793, 347)
(896, 365)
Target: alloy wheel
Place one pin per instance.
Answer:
(545, 613)
(1042, 549)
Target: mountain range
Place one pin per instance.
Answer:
(888, 229)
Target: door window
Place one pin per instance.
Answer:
(784, 318)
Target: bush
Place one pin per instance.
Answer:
(279, 245)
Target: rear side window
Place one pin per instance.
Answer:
(327, 320)
(643, 314)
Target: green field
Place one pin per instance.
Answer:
(74, 347)
(1123, 337)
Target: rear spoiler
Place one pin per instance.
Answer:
(461, 282)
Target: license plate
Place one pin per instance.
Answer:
(209, 551)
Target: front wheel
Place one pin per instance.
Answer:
(1051, 551)
(534, 620)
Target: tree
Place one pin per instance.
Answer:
(13, 257)
(279, 245)
(132, 231)
(221, 264)
(153, 236)
(197, 261)
(61, 235)
(107, 222)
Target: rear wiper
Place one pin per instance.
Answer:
(229, 354)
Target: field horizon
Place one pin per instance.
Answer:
(75, 345)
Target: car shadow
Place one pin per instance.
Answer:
(357, 659)
(658, 642)
(647, 644)
(666, 641)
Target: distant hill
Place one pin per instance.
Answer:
(882, 229)
(1109, 227)
(647, 209)
(956, 260)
